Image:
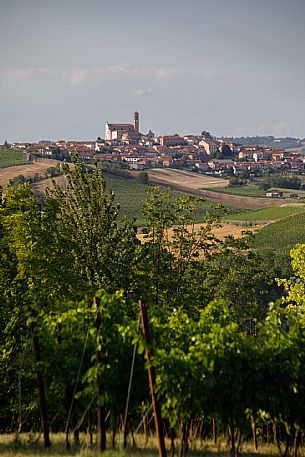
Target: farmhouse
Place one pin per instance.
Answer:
(274, 194)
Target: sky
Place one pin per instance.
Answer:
(232, 67)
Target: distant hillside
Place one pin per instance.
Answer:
(10, 157)
(275, 241)
(287, 142)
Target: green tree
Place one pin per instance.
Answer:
(28, 238)
(86, 217)
(166, 265)
(295, 286)
(206, 134)
(63, 251)
(101, 250)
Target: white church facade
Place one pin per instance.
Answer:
(124, 133)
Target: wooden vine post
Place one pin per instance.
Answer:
(41, 389)
(100, 409)
(152, 380)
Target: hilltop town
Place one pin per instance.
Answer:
(125, 145)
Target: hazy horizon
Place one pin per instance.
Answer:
(233, 68)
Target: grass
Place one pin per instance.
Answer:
(282, 235)
(274, 242)
(271, 213)
(9, 447)
(243, 191)
(131, 196)
(11, 157)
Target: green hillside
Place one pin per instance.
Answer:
(275, 241)
(244, 191)
(11, 157)
(282, 235)
(272, 213)
(131, 196)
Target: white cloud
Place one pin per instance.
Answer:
(140, 92)
(76, 77)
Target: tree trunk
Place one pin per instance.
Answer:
(172, 438)
(100, 412)
(228, 435)
(254, 435)
(146, 428)
(214, 430)
(73, 424)
(125, 432)
(267, 435)
(90, 429)
(287, 445)
(277, 439)
(41, 389)
(183, 427)
(238, 442)
(232, 439)
(114, 430)
(185, 431)
(152, 380)
(274, 431)
(134, 444)
(296, 443)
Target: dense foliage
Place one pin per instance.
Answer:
(277, 180)
(71, 277)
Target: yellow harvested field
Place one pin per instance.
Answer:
(40, 166)
(235, 230)
(185, 178)
(220, 232)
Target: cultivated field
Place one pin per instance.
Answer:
(12, 157)
(268, 214)
(282, 235)
(185, 178)
(196, 184)
(29, 170)
(131, 195)
(220, 232)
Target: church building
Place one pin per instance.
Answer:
(123, 133)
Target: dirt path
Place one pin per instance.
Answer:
(192, 183)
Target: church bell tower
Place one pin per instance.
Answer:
(136, 122)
